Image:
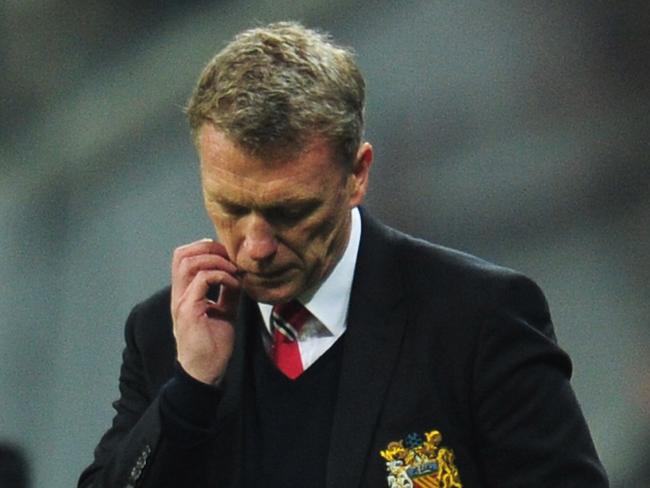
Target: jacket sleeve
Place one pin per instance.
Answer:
(531, 431)
(154, 440)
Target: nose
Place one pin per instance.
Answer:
(259, 238)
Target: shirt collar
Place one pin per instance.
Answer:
(329, 303)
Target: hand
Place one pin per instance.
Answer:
(203, 328)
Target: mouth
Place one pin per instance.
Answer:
(265, 276)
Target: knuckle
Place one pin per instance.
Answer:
(177, 257)
(206, 275)
(178, 252)
(213, 276)
(183, 266)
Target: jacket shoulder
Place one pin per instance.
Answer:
(422, 260)
(442, 278)
(152, 314)
(149, 337)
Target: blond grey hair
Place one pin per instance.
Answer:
(272, 89)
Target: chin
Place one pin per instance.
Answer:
(272, 294)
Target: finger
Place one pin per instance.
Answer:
(203, 246)
(189, 266)
(194, 301)
(228, 298)
(180, 281)
(198, 288)
(225, 305)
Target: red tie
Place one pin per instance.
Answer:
(286, 321)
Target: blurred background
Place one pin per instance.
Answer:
(518, 131)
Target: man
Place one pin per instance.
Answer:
(311, 346)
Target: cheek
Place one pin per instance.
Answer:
(317, 238)
(226, 232)
(321, 234)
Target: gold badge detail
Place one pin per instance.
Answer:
(420, 462)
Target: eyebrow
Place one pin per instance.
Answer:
(281, 202)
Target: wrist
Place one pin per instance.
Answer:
(190, 399)
(197, 372)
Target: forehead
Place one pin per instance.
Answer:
(230, 172)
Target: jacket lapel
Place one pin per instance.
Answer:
(230, 411)
(376, 321)
(248, 318)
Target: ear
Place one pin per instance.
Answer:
(358, 179)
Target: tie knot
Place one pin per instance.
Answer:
(288, 318)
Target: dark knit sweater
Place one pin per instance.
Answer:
(289, 422)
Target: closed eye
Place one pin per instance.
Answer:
(233, 210)
(289, 214)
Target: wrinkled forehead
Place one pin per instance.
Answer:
(275, 151)
(225, 167)
(296, 186)
(215, 145)
(250, 183)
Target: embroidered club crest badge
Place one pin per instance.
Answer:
(419, 461)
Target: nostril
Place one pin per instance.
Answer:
(260, 248)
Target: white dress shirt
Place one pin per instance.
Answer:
(328, 304)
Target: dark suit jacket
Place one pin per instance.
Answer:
(436, 340)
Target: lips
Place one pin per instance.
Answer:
(267, 276)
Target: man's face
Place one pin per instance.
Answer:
(285, 223)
